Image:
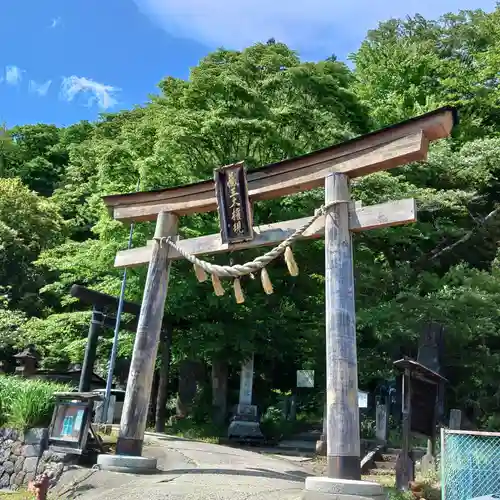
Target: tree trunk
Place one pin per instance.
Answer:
(161, 401)
(219, 391)
(188, 376)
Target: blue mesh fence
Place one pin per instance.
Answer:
(470, 464)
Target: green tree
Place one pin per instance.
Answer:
(6, 148)
(28, 225)
(261, 105)
(409, 66)
(11, 322)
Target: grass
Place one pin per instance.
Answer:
(109, 439)
(26, 403)
(17, 495)
(206, 432)
(21, 495)
(431, 487)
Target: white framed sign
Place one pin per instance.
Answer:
(305, 378)
(362, 399)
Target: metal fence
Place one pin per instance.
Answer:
(470, 464)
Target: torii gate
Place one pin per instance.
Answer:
(332, 168)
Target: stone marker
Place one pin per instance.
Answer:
(455, 419)
(245, 424)
(382, 421)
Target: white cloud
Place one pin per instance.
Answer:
(102, 94)
(39, 88)
(13, 75)
(334, 26)
(55, 22)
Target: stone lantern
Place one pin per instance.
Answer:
(27, 361)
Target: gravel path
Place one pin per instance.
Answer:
(192, 470)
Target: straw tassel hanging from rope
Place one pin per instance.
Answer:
(218, 288)
(202, 268)
(201, 275)
(293, 269)
(266, 281)
(238, 292)
(267, 286)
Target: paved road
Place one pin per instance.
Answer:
(191, 470)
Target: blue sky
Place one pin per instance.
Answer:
(66, 60)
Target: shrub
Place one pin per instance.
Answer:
(368, 427)
(188, 428)
(26, 403)
(275, 426)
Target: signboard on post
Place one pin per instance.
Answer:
(305, 378)
(70, 426)
(233, 203)
(362, 399)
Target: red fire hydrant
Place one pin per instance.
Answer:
(39, 486)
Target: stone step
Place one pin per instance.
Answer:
(417, 452)
(299, 445)
(285, 453)
(317, 427)
(385, 465)
(381, 472)
(312, 436)
(392, 457)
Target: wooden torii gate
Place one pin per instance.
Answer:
(332, 168)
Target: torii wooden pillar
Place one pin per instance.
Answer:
(331, 167)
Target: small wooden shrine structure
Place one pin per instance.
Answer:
(423, 401)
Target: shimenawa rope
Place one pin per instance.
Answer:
(238, 270)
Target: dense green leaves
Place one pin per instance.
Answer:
(28, 225)
(409, 66)
(261, 105)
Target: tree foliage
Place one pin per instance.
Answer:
(262, 105)
(409, 66)
(29, 224)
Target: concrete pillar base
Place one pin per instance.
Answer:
(124, 463)
(327, 488)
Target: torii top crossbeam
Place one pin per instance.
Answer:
(380, 150)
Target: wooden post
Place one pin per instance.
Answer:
(405, 471)
(135, 407)
(96, 324)
(292, 412)
(343, 439)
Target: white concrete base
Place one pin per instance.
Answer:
(125, 463)
(327, 488)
